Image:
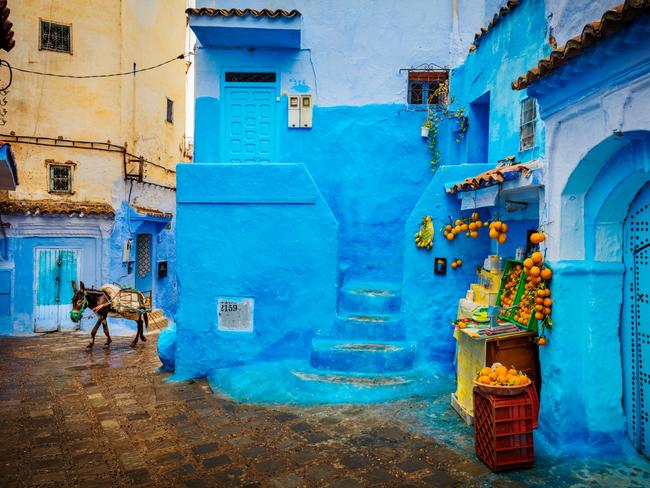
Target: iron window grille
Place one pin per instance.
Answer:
(60, 178)
(528, 124)
(426, 86)
(170, 111)
(249, 77)
(55, 37)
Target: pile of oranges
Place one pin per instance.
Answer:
(469, 227)
(536, 300)
(498, 231)
(499, 375)
(511, 281)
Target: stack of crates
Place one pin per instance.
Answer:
(503, 430)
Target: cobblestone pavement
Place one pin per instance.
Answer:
(109, 418)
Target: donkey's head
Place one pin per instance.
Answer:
(79, 301)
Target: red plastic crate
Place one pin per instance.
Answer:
(503, 430)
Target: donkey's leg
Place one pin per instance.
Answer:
(93, 332)
(146, 323)
(137, 334)
(108, 335)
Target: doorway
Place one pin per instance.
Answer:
(249, 130)
(55, 271)
(635, 322)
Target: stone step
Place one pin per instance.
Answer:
(369, 298)
(372, 380)
(157, 319)
(362, 357)
(369, 327)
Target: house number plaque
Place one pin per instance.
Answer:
(235, 314)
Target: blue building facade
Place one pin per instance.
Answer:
(318, 96)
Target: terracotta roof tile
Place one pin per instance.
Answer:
(235, 12)
(152, 212)
(611, 22)
(54, 207)
(491, 177)
(503, 11)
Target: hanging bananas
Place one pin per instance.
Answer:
(424, 237)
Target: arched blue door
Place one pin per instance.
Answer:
(635, 322)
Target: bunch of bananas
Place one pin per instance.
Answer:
(424, 237)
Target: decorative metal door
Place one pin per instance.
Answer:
(55, 271)
(250, 119)
(143, 262)
(635, 322)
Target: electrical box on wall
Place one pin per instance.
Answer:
(305, 111)
(294, 111)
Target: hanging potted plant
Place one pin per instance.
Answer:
(426, 125)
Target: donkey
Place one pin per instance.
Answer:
(100, 303)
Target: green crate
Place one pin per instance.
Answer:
(532, 323)
(510, 263)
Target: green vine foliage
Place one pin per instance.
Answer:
(435, 115)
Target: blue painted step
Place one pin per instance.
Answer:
(369, 327)
(369, 298)
(362, 357)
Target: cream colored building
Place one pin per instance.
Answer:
(96, 156)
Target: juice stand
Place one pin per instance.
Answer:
(498, 319)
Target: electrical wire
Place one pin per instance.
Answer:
(125, 73)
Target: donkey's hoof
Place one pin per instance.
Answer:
(143, 338)
(89, 346)
(133, 344)
(106, 344)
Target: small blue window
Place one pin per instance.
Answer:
(5, 293)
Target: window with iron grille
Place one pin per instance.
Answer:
(249, 77)
(60, 178)
(170, 111)
(528, 124)
(55, 37)
(424, 87)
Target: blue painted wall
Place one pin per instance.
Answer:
(252, 230)
(482, 87)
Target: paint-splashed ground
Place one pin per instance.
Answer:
(109, 418)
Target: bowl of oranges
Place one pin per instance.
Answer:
(499, 380)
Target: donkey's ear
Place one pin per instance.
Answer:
(82, 287)
(74, 286)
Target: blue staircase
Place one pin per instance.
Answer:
(368, 336)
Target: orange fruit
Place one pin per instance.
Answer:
(512, 372)
(540, 293)
(475, 215)
(546, 311)
(548, 302)
(458, 222)
(472, 226)
(496, 225)
(535, 271)
(448, 228)
(473, 234)
(459, 262)
(453, 264)
(539, 315)
(484, 379)
(540, 237)
(486, 371)
(541, 341)
(546, 274)
(533, 238)
(492, 376)
(502, 238)
(504, 228)
(464, 227)
(501, 379)
(528, 263)
(494, 234)
(479, 224)
(501, 371)
(539, 308)
(547, 292)
(450, 236)
(458, 229)
(537, 257)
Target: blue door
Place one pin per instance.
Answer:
(635, 322)
(56, 269)
(250, 130)
(143, 261)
